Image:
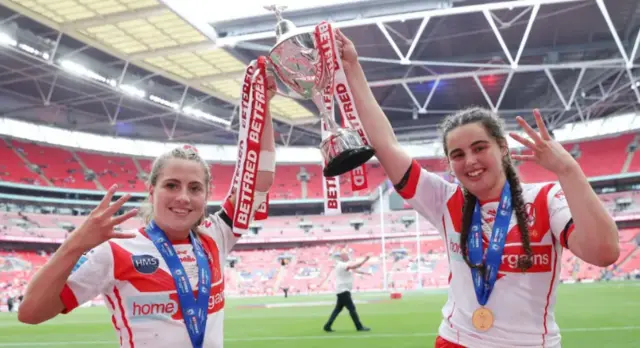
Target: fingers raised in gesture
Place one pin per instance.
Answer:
(99, 225)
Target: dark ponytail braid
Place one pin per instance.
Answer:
(524, 263)
(467, 214)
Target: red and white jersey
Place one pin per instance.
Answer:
(140, 292)
(522, 303)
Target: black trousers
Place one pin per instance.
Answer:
(344, 300)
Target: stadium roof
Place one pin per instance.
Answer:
(169, 70)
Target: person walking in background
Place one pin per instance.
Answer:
(344, 284)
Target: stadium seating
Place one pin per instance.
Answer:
(286, 227)
(260, 271)
(279, 228)
(257, 272)
(68, 168)
(113, 170)
(16, 267)
(599, 157)
(58, 165)
(14, 169)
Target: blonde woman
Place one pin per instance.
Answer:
(164, 283)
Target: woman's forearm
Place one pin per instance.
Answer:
(595, 239)
(376, 125)
(266, 170)
(42, 298)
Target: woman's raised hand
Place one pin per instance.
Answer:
(346, 49)
(99, 225)
(547, 152)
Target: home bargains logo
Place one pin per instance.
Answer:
(542, 259)
(542, 256)
(164, 306)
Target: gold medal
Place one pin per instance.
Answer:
(482, 319)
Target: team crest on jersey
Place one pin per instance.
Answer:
(206, 223)
(530, 209)
(145, 264)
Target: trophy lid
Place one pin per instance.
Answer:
(285, 28)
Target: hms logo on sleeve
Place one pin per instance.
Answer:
(81, 261)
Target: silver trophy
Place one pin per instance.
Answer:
(295, 60)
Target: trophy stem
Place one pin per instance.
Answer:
(331, 123)
(318, 99)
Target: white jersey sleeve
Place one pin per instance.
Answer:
(426, 192)
(219, 227)
(91, 276)
(560, 220)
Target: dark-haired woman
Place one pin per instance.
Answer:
(504, 238)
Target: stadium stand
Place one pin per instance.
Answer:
(260, 272)
(256, 269)
(40, 164)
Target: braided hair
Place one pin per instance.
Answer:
(495, 128)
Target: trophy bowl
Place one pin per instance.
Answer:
(302, 74)
(296, 61)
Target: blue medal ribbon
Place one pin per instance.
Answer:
(194, 311)
(493, 257)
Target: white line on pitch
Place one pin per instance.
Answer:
(316, 337)
(416, 334)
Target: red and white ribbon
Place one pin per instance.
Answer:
(243, 116)
(350, 116)
(338, 88)
(253, 111)
(330, 186)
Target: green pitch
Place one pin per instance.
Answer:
(590, 315)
